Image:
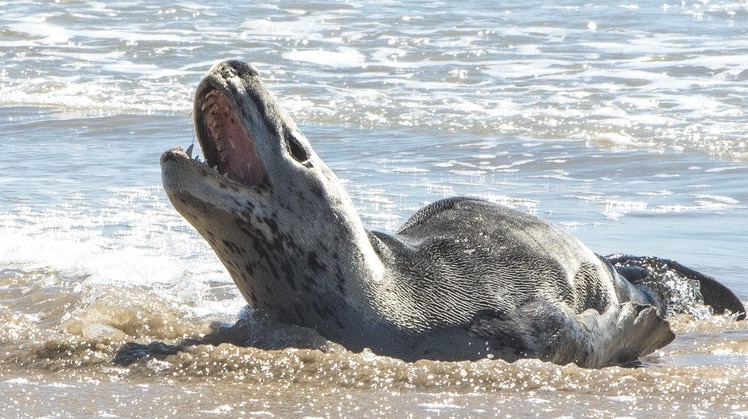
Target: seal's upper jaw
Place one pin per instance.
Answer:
(226, 144)
(226, 140)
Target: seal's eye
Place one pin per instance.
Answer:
(296, 148)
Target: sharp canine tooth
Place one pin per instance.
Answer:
(189, 150)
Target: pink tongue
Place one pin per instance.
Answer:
(237, 157)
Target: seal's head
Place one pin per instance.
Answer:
(273, 212)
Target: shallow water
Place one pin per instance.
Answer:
(622, 122)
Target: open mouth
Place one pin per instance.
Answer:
(227, 146)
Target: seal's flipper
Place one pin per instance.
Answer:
(542, 330)
(653, 271)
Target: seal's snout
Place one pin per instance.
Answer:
(239, 67)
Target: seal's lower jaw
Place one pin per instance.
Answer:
(184, 175)
(179, 171)
(228, 145)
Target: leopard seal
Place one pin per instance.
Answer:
(462, 279)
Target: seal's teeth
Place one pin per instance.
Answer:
(210, 103)
(189, 150)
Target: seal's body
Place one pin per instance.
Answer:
(462, 279)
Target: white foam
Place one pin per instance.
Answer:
(125, 244)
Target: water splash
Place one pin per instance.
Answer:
(683, 295)
(674, 284)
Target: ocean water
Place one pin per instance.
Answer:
(623, 122)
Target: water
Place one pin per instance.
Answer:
(623, 122)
